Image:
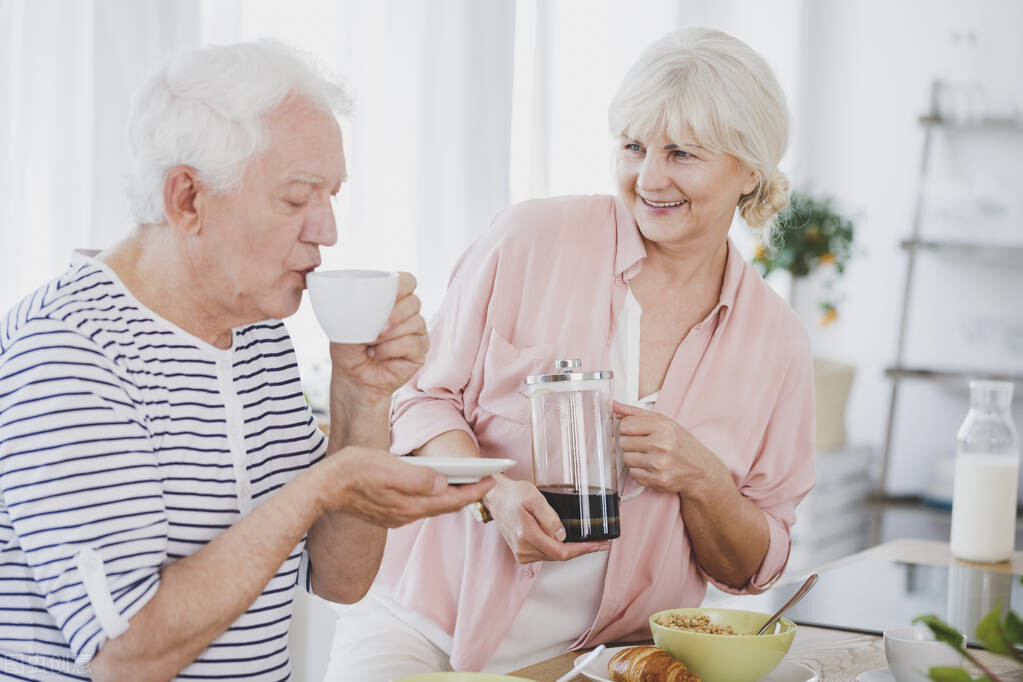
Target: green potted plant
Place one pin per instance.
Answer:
(813, 238)
(810, 236)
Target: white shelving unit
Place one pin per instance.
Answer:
(969, 248)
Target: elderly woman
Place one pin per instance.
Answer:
(712, 374)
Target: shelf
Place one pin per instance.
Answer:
(1009, 254)
(995, 124)
(969, 252)
(950, 376)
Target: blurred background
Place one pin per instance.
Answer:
(908, 117)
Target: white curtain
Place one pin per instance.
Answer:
(461, 108)
(67, 71)
(429, 144)
(44, 75)
(570, 57)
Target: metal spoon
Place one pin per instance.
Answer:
(810, 582)
(580, 663)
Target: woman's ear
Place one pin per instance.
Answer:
(181, 190)
(751, 182)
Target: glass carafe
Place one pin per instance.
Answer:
(986, 474)
(574, 463)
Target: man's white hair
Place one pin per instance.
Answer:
(206, 108)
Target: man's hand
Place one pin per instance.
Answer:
(379, 488)
(378, 369)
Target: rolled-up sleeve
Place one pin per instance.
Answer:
(433, 402)
(783, 472)
(81, 486)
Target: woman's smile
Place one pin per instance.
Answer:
(662, 207)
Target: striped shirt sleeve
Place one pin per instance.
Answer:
(80, 480)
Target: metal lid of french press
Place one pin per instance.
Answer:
(566, 372)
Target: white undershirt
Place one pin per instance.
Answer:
(538, 631)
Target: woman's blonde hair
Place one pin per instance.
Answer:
(708, 84)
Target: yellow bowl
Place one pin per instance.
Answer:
(726, 658)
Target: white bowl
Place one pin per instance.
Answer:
(913, 651)
(352, 305)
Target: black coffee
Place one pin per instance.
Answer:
(586, 516)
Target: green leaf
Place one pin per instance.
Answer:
(991, 635)
(943, 632)
(1014, 628)
(808, 228)
(949, 674)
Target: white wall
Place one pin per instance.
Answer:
(867, 70)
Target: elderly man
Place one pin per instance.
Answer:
(164, 485)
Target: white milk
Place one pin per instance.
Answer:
(984, 507)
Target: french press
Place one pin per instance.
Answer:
(574, 463)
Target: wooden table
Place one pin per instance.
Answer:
(838, 655)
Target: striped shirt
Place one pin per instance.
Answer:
(127, 444)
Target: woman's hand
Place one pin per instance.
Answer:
(530, 526)
(728, 532)
(663, 456)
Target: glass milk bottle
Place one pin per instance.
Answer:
(986, 471)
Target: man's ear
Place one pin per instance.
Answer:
(181, 198)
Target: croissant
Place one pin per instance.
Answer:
(648, 664)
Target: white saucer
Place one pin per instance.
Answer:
(790, 671)
(879, 675)
(787, 671)
(462, 469)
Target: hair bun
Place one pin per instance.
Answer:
(762, 204)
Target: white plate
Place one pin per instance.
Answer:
(787, 671)
(879, 675)
(462, 469)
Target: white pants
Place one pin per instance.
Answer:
(373, 645)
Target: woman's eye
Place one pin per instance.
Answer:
(634, 148)
(682, 154)
(295, 204)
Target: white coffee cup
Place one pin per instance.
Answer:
(352, 305)
(912, 652)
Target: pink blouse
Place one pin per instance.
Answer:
(546, 283)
